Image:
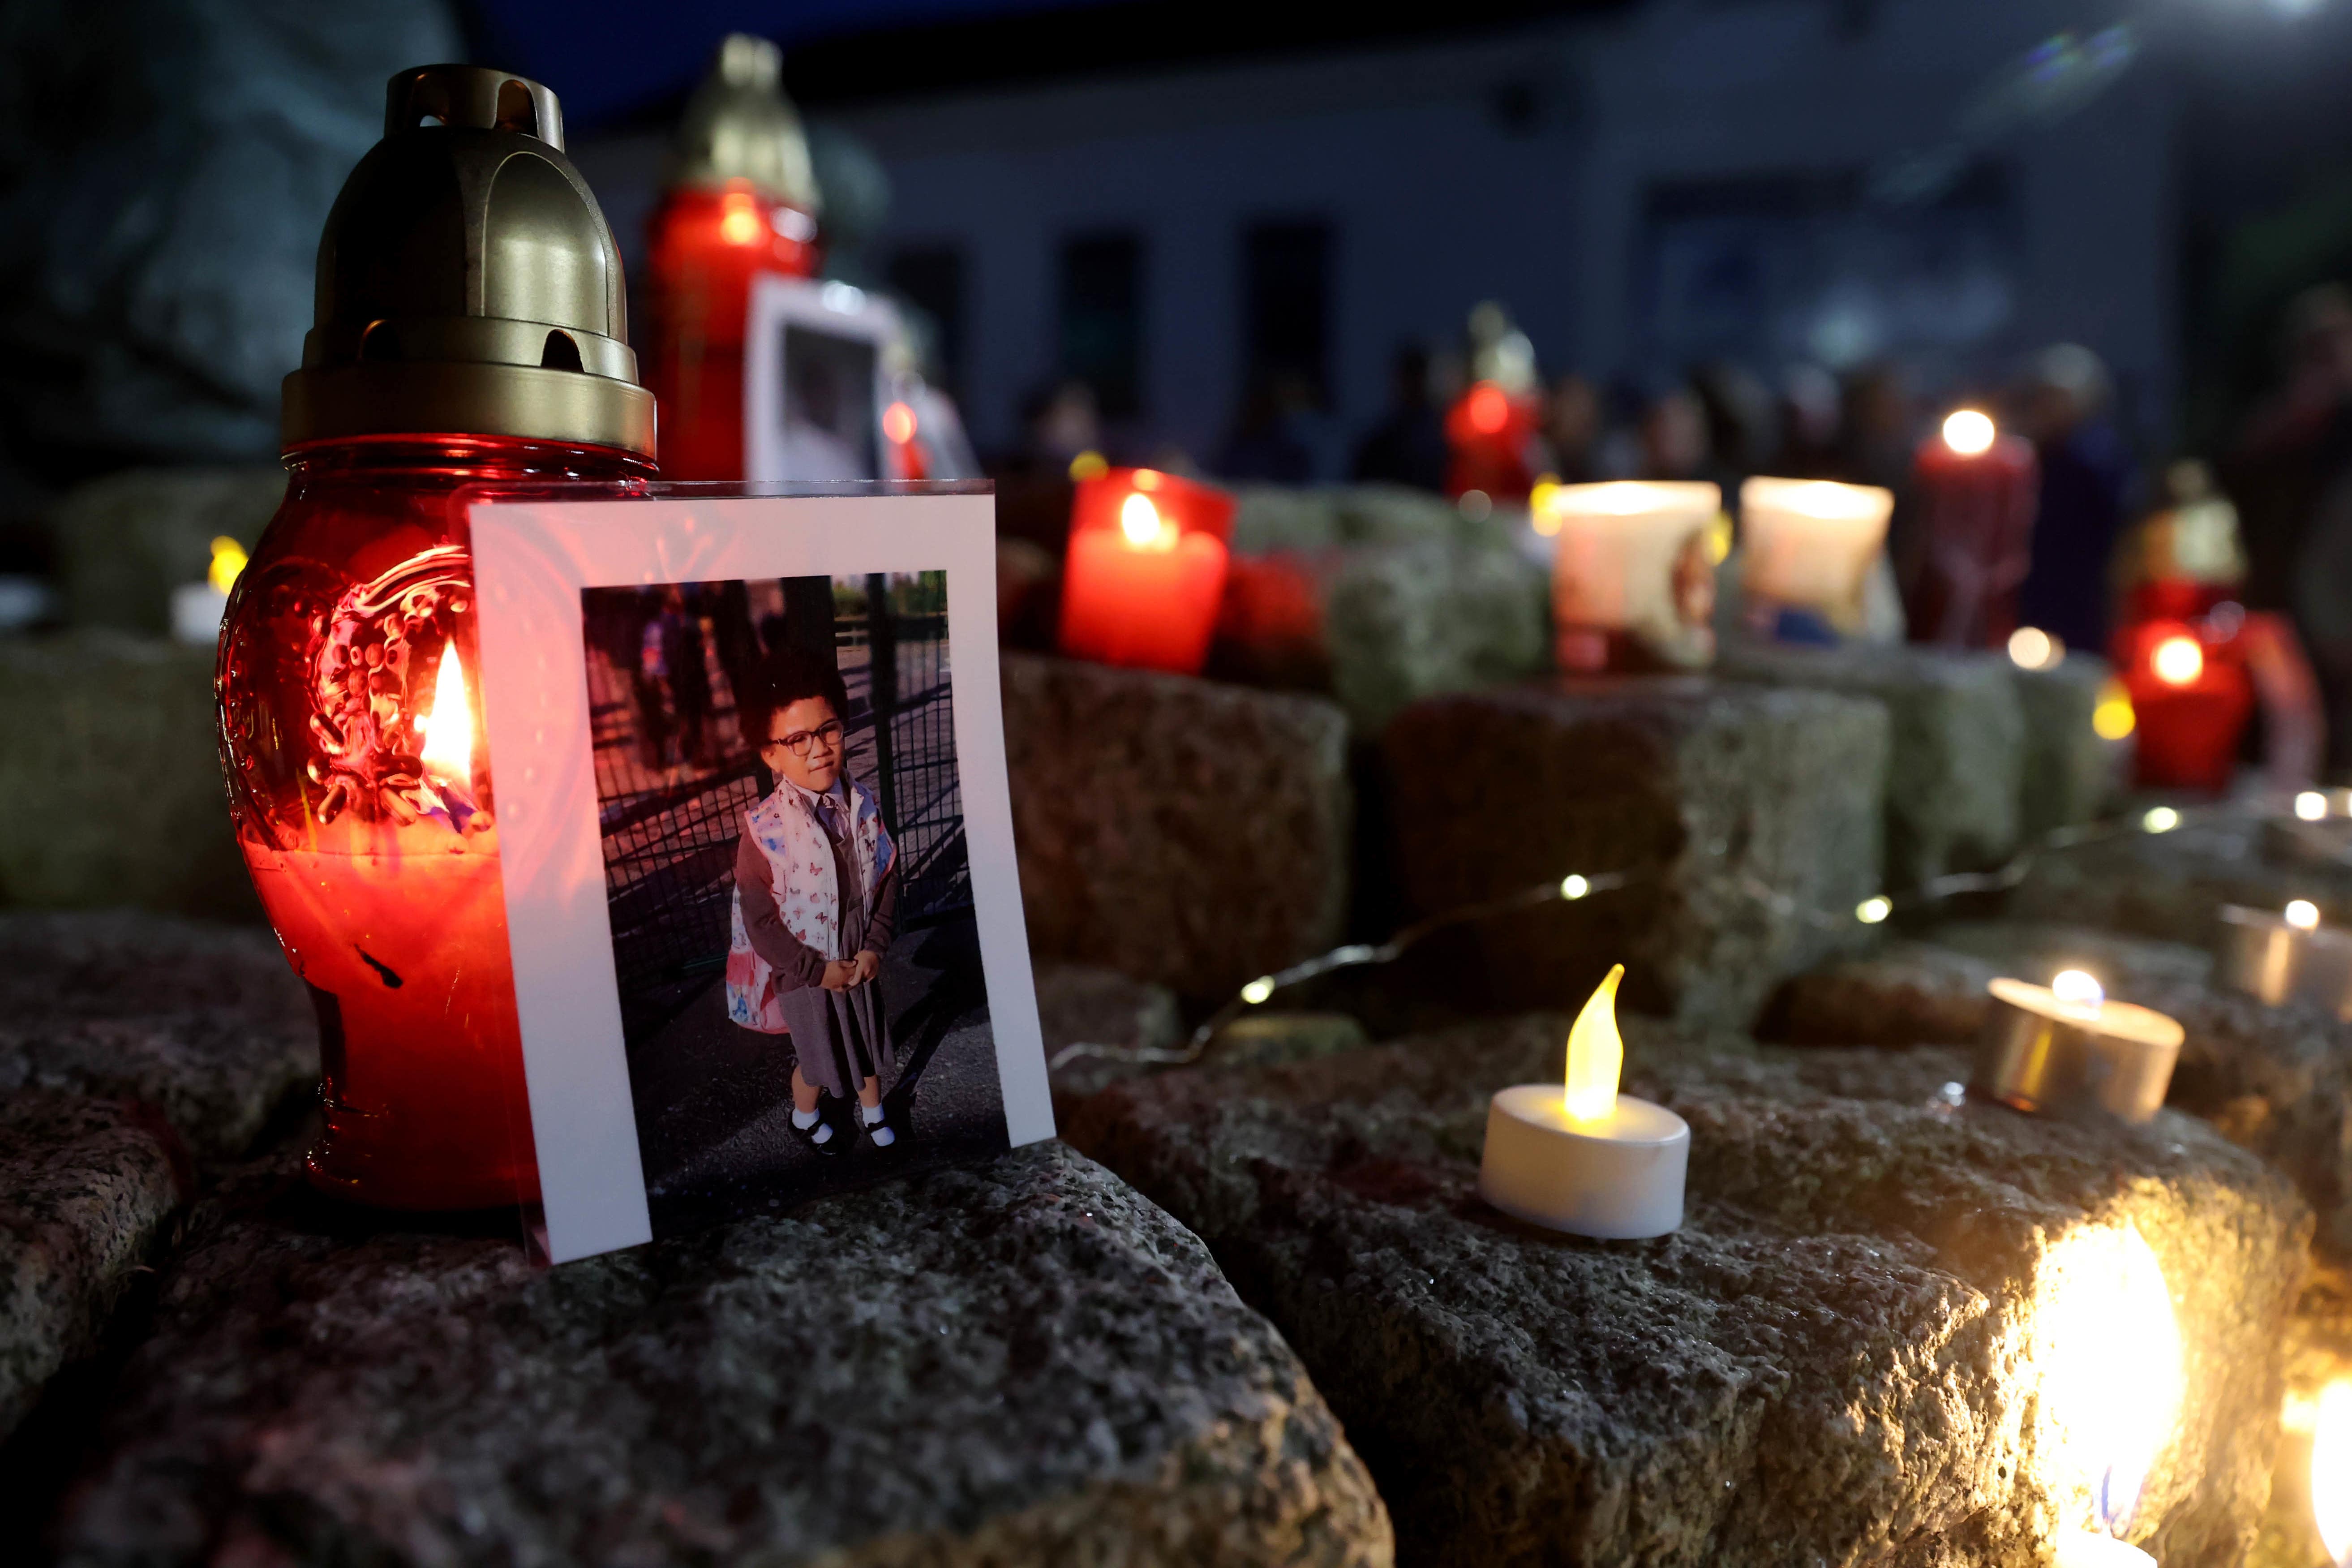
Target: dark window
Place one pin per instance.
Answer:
(1102, 318)
(1286, 297)
(931, 277)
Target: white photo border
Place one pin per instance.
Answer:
(532, 557)
(836, 309)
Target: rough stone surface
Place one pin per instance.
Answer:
(1838, 1359)
(1019, 1361)
(1957, 765)
(2277, 1080)
(1080, 1005)
(86, 1189)
(1263, 1039)
(126, 541)
(1317, 518)
(2172, 885)
(1408, 621)
(2068, 773)
(1718, 795)
(110, 782)
(1184, 832)
(206, 1022)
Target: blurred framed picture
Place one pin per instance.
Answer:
(757, 847)
(815, 380)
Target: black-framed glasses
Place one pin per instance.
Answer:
(799, 741)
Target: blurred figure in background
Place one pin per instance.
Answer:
(1408, 446)
(1742, 426)
(2088, 478)
(1673, 436)
(1058, 423)
(1813, 419)
(1264, 443)
(1572, 429)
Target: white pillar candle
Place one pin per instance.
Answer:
(1580, 1156)
(1633, 575)
(1812, 544)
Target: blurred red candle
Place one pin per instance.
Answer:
(1146, 570)
(1488, 431)
(2191, 697)
(741, 201)
(1976, 492)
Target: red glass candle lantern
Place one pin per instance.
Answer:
(741, 200)
(471, 330)
(1976, 492)
(2191, 696)
(1491, 432)
(1146, 570)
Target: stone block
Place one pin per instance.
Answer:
(1015, 1362)
(1841, 1357)
(1267, 1040)
(1184, 832)
(1957, 768)
(1719, 798)
(2068, 772)
(1408, 621)
(111, 786)
(2276, 1080)
(2171, 886)
(204, 1022)
(126, 541)
(88, 1188)
(1099, 1027)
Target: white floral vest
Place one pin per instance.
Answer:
(800, 860)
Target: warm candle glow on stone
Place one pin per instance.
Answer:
(2331, 1472)
(1596, 1054)
(2108, 1349)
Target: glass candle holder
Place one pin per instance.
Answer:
(1146, 570)
(1632, 578)
(364, 804)
(1808, 548)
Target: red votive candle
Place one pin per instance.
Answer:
(1146, 570)
(2191, 698)
(1976, 491)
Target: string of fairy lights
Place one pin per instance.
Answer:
(1576, 887)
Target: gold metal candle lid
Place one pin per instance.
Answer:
(467, 281)
(739, 126)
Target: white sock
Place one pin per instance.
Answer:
(804, 1120)
(873, 1113)
(823, 1134)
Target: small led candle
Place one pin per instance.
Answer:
(1632, 578)
(197, 607)
(2290, 955)
(2064, 1049)
(1146, 570)
(1807, 551)
(1580, 1157)
(2331, 1472)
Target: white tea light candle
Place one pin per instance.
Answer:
(1580, 1157)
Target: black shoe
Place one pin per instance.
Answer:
(836, 1138)
(881, 1146)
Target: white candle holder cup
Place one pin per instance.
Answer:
(1633, 575)
(1812, 546)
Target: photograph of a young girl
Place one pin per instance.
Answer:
(788, 887)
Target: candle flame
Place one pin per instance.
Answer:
(1489, 408)
(1968, 432)
(738, 223)
(1596, 1053)
(2178, 660)
(1144, 527)
(2076, 989)
(228, 559)
(2302, 915)
(2311, 806)
(899, 423)
(449, 728)
(2110, 1363)
(2331, 1470)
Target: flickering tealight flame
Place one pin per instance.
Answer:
(2331, 1470)
(1968, 432)
(2030, 648)
(2110, 1363)
(2079, 991)
(1596, 1053)
(228, 559)
(449, 728)
(2302, 915)
(2178, 660)
(1144, 527)
(2311, 806)
(899, 424)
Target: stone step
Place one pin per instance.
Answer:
(88, 1192)
(1838, 1359)
(2277, 1080)
(1184, 832)
(1014, 1362)
(206, 1022)
(1751, 814)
